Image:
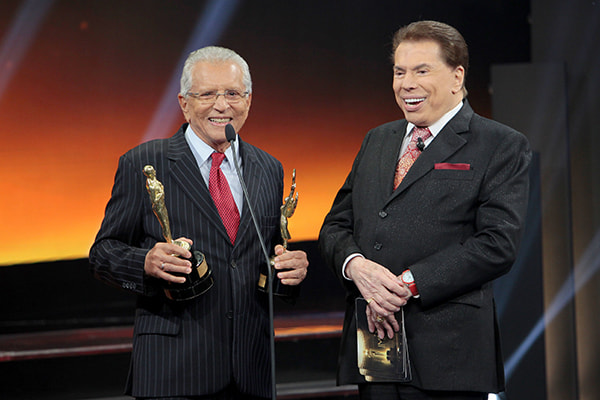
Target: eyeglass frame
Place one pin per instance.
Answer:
(196, 95)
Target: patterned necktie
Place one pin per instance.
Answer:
(411, 154)
(221, 194)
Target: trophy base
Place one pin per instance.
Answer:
(279, 289)
(197, 282)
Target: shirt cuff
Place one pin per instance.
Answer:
(346, 261)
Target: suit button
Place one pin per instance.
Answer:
(233, 264)
(383, 214)
(229, 315)
(378, 246)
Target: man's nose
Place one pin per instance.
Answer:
(220, 102)
(409, 81)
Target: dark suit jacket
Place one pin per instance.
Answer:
(199, 346)
(455, 229)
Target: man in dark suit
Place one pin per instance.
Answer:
(430, 214)
(217, 344)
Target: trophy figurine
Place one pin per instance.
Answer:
(200, 279)
(287, 210)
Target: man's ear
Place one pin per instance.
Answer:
(183, 103)
(459, 79)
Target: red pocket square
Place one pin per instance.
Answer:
(459, 166)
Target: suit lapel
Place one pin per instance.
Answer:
(251, 172)
(184, 169)
(447, 142)
(389, 158)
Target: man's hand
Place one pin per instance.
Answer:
(385, 295)
(291, 265)
(164, 259)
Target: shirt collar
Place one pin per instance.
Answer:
(437, 126)
(203, 151)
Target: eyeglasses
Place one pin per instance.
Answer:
(210, 97)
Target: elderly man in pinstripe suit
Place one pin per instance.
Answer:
(215, 345)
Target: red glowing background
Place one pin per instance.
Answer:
(81, 82)
(91, 80)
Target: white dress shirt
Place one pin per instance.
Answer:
(202, 152)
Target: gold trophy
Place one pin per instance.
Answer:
(287, 210)
(200, 279)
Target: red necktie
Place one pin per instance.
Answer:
(221, 194)
(411, 154)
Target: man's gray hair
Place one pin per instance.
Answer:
(213, 54)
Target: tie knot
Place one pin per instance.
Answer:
(217, 159)
(419, 135)
(423, 133)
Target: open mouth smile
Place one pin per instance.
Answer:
(413, 104)
(220, 121)
(415, 101)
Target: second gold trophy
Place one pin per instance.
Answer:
(287, 210)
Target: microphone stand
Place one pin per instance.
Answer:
(231, 138)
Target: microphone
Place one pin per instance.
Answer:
(230, 136)
(420, 143)
(230, 133)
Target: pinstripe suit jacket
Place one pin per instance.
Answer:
(200, 346)
(456, 228)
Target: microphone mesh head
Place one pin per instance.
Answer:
(229, 132)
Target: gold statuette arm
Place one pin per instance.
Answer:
(287, 210)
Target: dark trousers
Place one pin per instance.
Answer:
(392, 391)
(231, 392)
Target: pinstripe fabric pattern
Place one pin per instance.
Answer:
(198, 347)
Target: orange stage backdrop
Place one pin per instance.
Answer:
(91, 79)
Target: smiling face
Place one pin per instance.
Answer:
(209, 120)
(424, 85)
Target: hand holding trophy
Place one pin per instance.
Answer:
(200, 279)
(287, 210)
